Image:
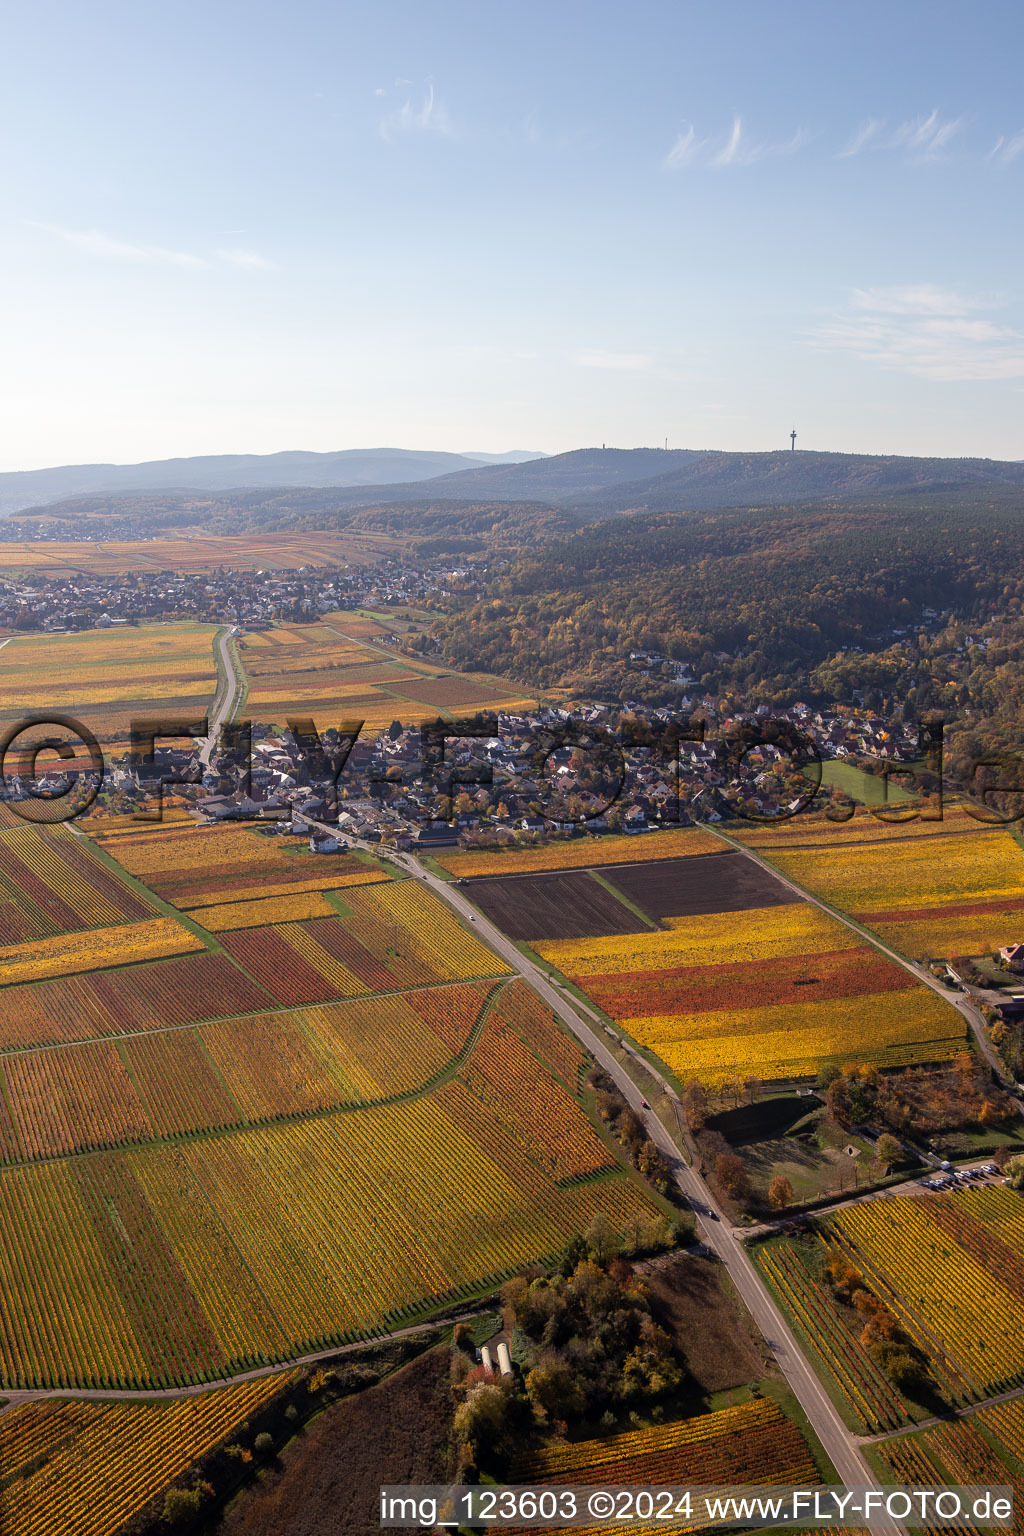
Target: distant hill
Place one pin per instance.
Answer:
(703, 481)
(588, 485)
(21, 489)
(602, 481)
(430, 528)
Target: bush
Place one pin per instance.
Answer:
(462, 1338)
(903, 1369)
(182, 1505)
(263, 1445)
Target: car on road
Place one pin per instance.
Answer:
(644, 1104)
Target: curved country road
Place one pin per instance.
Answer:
(840, 1443)
(229, 690)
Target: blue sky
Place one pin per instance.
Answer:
(246, 227)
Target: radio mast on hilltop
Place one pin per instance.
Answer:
(792, 440)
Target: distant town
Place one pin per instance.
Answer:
(381, 794)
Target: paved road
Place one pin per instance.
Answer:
(840, 1443)
(229, 690)
(920, 973)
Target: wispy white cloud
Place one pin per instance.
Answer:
(684, 151)
(99, 244)
(629, 362)
(1005, 150)
(926, 137)
(920, 299)
(737, 149)
(109, 247)
(430, 117)
(729, 153)
(930, 332)
(921, 138)
(867, 134)
(252, 260)
(531, 131)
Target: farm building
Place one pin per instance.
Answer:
(1012, 956)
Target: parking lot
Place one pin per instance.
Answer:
(950, 1178)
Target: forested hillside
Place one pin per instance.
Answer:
(773, 605)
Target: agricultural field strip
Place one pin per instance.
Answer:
(101, 949)
(109, 1178)
(269, 691)
(856, 1375)
(926, 897)
(751, 1442)
(438, 1079)
(387, 656)
(395, 653)
(693, 1015)
(247, 1013)
(919, 973)
(923, 876)
(556, 858)
(191, 553)
(17, 1395)
(899, 1255)
(114, 1479)
(610, 871)
(956, 1454)
(443, 1216)
(872, 842)
(967, 1411)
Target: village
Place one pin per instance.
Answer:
(489, 790)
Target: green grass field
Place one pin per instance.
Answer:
(859, 785)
